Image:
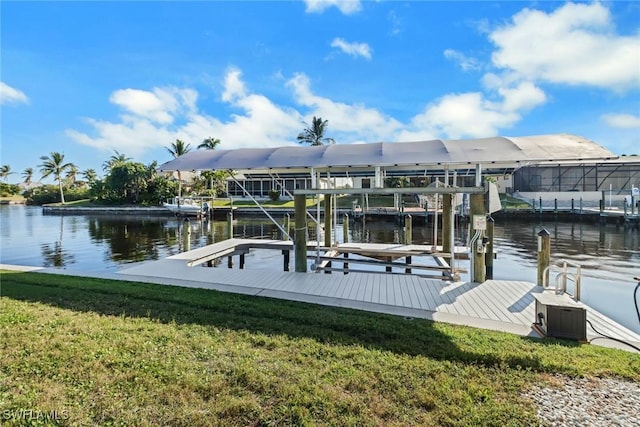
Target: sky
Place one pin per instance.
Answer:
(88, 79)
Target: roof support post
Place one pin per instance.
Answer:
(378, 177)
(478, 175)
(314, 178)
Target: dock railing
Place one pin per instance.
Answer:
(565, 275)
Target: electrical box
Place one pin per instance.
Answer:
(479, 222)
(559, 316)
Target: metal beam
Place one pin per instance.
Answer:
(406, 190)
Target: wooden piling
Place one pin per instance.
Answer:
(447, 208)
(285, 260)
(287, 225)
(408, 230)
(230, 225)
(300, 247)
(327, 220)
(476, 207)
(186, 232)
(345, 228)
(488, 256)
(544, 256)
(345, 264)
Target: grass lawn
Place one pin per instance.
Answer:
(13, 199)
(509, 202)
(103, 352)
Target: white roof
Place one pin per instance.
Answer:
(495, 150)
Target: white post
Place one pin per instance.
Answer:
(314, 179)
(378, 177)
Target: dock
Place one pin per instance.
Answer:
(495, 304)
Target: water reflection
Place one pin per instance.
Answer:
(54, 255)
(132, 239)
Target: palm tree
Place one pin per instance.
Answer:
(114, 160)
(28, 176)
(54, 164)
(5, 171)
(209, 143)
(314, 134)
(179, 148)
(72, 173)
(90, 176)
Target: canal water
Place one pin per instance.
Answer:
(609, 254)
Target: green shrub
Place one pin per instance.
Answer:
(7, 190)
(274, 195)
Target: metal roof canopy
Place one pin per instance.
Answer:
(397, 155)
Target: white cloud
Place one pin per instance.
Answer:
(10, 95)
(522, 97)
(163, 115)
(465, 62)
(160, 105)
(395, 22)
(576, 44)
(464, 115)
(353, 49)
(233, 87)
(347, 122)
(473, 115)
(623, 121)
(347, 7)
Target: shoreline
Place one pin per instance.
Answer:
(588, 215)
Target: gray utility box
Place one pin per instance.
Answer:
(560, 316)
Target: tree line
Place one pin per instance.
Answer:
(126, 181)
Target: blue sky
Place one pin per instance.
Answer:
(88, 78)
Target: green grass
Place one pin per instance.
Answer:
(106, 352)
(509, 202)
(15, 198)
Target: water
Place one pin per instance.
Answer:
(610, 255)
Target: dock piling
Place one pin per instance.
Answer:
(300, 247)
(345, 228)
(477, 209)
(230, 225)
(488, 256)
(544, 256)
(327, 220)
(186, 232)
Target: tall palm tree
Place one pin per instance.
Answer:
(179, 148)
(209, 143)
(5, 171)
(71, 176)
(114, 160)
(28, 176)
(314, 134)
(54, 164)
(90, 176)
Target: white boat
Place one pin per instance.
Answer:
(187, 206)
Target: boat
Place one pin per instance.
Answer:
(187, 206)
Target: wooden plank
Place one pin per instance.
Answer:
(329, 258)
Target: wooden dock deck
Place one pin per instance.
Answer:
(494, 304)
